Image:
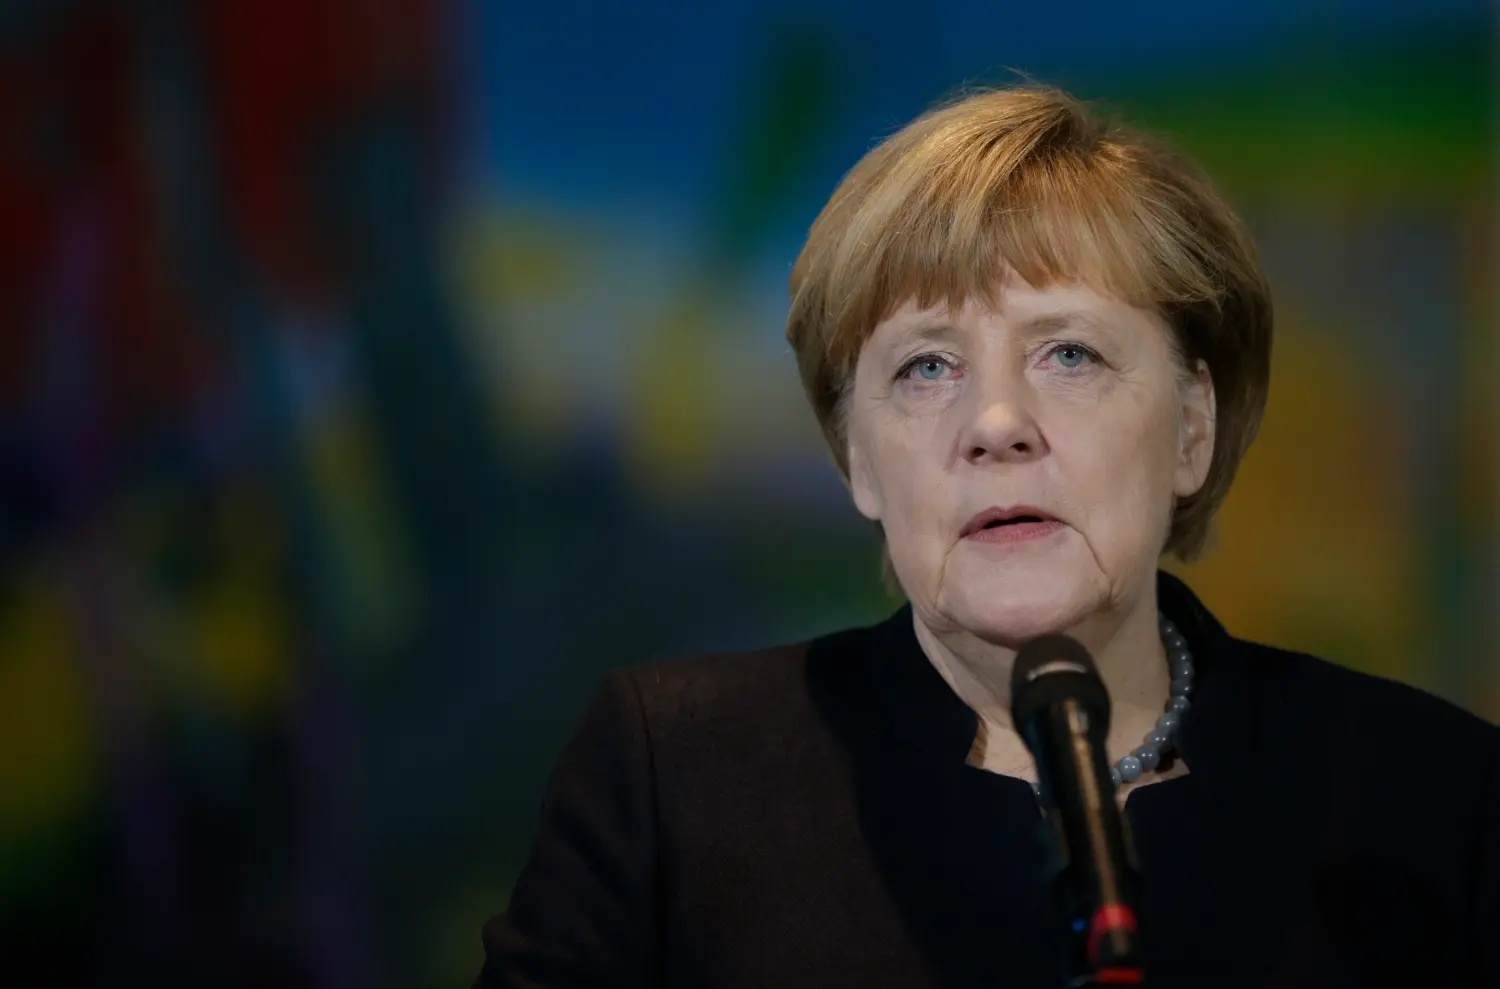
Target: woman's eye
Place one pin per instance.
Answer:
(1072, 356)
(928, 368)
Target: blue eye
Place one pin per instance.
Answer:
(1071, 355)
(928, 367)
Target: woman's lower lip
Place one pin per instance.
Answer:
(1016, 532)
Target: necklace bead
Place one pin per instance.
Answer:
(1159, 741)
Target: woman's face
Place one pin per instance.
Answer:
(1063, 407)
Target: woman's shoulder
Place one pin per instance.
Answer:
(1294, 683)
(763, 686)
(712, 677)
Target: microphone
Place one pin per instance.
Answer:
(1059, 706)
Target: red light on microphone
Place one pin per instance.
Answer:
(1109, 919)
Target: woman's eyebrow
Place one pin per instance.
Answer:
(1065, 319)
(937, 330)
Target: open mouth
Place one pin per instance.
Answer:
(1015, 521)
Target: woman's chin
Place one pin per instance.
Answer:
(1011, 610)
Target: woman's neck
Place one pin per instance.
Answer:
(1127, 651)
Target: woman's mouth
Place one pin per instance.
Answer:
(1011, 525)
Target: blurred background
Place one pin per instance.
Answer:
(376, 373)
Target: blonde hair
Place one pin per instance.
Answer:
(1030, 177)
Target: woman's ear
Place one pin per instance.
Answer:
(862, 484)
(1197, 415)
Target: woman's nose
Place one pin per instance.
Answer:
(1001, 428)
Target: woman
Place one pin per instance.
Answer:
(1039, 347)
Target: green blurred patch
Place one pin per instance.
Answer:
(1334, 119)
(794, 94)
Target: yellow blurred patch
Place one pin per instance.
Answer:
(236, 637)
(1310, 551)
(375, 599)
(500, 256)
(674, 382)
(218, 639)
(47, 763)
(681, 390)
(517, 280)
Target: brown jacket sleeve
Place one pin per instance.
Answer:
(1487, 907)
(584, 910)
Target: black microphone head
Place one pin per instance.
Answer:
(1053, 668)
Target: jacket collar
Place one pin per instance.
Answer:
(1216, 737)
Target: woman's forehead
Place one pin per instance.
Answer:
(1057, 307)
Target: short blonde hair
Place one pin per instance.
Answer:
(1030, 177)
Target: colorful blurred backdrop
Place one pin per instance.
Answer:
(373, 375)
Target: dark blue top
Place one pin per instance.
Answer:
(805, 816)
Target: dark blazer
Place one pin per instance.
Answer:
(805, 817)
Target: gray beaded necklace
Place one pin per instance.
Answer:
(1158, 742)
